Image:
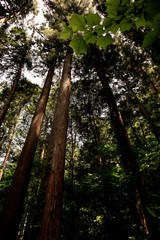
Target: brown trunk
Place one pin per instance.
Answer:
(10, 144)
(5, 19)
(44, 143)
(11, 94)
(51, 220)
(127, 156)
(12, 211)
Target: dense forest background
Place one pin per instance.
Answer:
(79, 120)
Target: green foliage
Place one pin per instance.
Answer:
(78, 44)
(89, 37)
(104, 41)
(121, 14)
(112, 7)
(151, 37)
(125, 25)
(141, 22)
(93, 19)
(67, 33)
(77, 22)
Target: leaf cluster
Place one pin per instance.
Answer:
(122, 15)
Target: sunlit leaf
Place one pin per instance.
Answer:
(112, 7)
(141, 22)
(79, 45)
(93, 19)
(67, 33)
(89, 37)
(77, 22)
(104, 41)
(99, 30)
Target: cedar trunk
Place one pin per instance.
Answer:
(12, 211)
(11, 94)
(51, 220)
(127, 158)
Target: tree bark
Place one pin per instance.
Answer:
(51, 220)
(127, 157)
(11, 94)
(10, 144)
(12, 211)
(44, 141)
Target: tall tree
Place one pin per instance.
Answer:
(51, 220)
(13, 207)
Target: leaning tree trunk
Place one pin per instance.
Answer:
(11, 94)
(127, 157)
(51, 220)
(10, 144)
(12, 211)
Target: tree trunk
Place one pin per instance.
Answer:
(10, 144)
(44, 141)
(51, 220)
(127, 157)
(12, 211)
(11, 94)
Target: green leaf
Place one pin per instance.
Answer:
(99, 30)
(125, 25)
(77, 22)
(66, 33)
(78, 44)
(112, 7)
(104, 41)
(113, 28)
(89, 37)
(125, 2)
(153, 8)
(150, 38)
(141, 22)
(107, 22)
(122, 10)
(93, 19)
